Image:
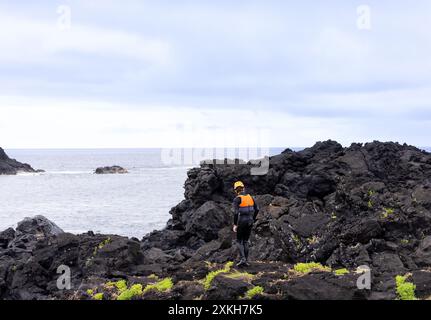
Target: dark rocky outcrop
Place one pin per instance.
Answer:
(342, 207)
(111, 170)
(10, 166)
(6, 237)
(226, 288)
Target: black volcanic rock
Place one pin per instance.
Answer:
(328, 191)
(111, 170)
(225, 288)
(342, 207)
(10, 166)
(6, 237)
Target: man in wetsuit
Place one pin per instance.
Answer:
(245, 213)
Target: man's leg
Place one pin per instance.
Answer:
(247, 234)
(242, 250)
(246, 250)
(241, 244)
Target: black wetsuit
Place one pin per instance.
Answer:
(244, 219)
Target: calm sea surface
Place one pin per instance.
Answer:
(78, 200)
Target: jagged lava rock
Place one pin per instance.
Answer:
(10, 166)
(333, 196)
(343, 207)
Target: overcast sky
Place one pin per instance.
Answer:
(213, 73)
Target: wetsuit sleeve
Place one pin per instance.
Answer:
(236, 204)
(256, 209)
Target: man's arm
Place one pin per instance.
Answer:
(256, 209)
(236, 203)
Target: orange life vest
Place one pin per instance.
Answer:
(246, 207)
(246, 201)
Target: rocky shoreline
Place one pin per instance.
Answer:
(325, 211)
(10, 166)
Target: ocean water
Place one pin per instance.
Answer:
(78, 200)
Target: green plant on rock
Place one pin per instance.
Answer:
(250, 294)
(101, 245)
(333, 216)
(371, 193)
(405, 290)
(341, 272)
(210, 276)
(161, 286)
(240, 275)
(387, 212)
(121, 285)
(370, 204)
(309, 267)
(98, 296)
(129, 294)
(95, 296)
(123, 291)
(297, 241)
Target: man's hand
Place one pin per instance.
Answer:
(235, 229)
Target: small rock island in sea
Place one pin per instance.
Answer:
(111, 170)
(326, 212)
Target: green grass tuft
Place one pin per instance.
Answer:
(129, 294)
(341, 272)
(240, 275)
(405, 290)
(121, 285)
(387, 212)
(250, 294)
(101, 245)
(161, 286)
(210, 276)
(297, 241)
(98, 296)
(309, 267)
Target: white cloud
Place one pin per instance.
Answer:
(27, 40)
(78, 124)
(308, 70)
(381, 104)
